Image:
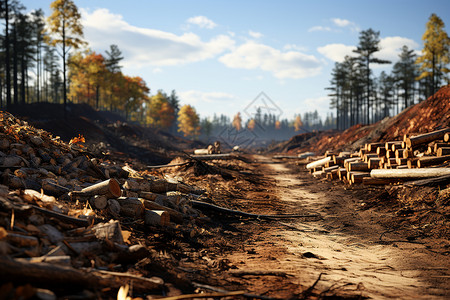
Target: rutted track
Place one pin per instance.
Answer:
(343, 246)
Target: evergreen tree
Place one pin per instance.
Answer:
(435, 54)
(405, 72)
(368, 45)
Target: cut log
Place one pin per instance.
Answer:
(381, 151)
(110, 188)
(318, 163)
(369, 156)
(358, 166)
(202, 152)
(426, 138)
(402, 161)
(441, 180)
(62, 217)
(372, 147)
(443, 151)
(339, 160)
(21, 240)
(156, 217)
(432, 160)
(44, 274)
(350, 160)
(131, 207)
(440, 145)
(329, 169)
(99, 201)
(357, 177)
(342, 173)
(175, 216)
(374, 163)
(406, 153)
(410, 173)
(412, 163)
(389, 145)
(447, 137)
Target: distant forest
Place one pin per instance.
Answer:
(46, 59)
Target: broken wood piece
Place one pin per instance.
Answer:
(318, 163)
(409, 173)
(426, 138)
(110, 188)
(156, 217)
(109, 231)
(168, 165)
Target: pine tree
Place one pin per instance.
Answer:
(405, 72)
(435, 54)
(368, 45)
(65, 27)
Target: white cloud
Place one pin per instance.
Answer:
(319, 28)
(143, 47)
(345, 23)
(291, 64)
(336, 52)
(254, 34)
(391, 47)
(202, 22)
(198, 97)
(295, 47)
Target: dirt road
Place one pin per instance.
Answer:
(349, 248)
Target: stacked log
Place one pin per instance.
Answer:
(389, 162)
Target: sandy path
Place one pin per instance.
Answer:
(344, 246)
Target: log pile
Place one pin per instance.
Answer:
(61, 212)
(380, 163)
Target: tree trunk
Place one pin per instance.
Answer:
(7, 57)
(409, 173)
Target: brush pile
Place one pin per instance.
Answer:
(62, 214)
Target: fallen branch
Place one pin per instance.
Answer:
(62, 217)
(206, 295)
(168, 165)
(209, 206)
(219, 290)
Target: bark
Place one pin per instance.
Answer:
(443, 151)
(426, 138)
(110, 188)
(410, 173)
(175, 216)
(156, 217)
(44, 274)
(432, 160)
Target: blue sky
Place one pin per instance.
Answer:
(220, 55)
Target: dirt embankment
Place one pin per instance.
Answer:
(431, 114)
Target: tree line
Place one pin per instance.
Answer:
(358, 96)
(46, 59)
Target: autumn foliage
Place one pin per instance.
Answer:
(188, 121)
